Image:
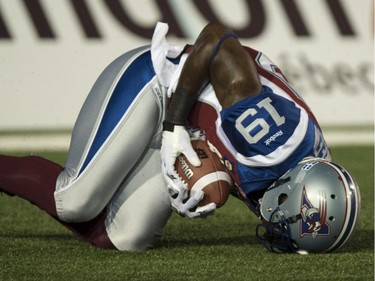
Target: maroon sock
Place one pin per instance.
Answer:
(33, 178)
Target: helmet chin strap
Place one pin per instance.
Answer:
(276, 236)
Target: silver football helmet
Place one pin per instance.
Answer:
(314, 207)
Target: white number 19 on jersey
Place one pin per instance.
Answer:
(265, 127)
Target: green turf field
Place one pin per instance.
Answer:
(223, 247)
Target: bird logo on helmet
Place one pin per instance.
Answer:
(314, 219)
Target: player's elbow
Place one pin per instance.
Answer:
(210, 36)
(214, 30)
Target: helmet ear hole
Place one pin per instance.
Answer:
(282, 198)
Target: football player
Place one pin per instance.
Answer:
(269, 140)
(111, 191)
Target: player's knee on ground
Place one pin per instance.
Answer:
(77, 210)
(139, 240)
(139, 230)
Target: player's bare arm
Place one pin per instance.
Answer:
(225, 64)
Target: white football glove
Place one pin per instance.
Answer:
(173, 144)
(188, 208)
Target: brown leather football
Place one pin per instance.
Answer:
(210, 177)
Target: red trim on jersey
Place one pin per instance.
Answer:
(279, 82)
(204, 116)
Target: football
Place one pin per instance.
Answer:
(210, 177)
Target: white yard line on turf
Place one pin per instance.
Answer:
(34, 142)
(50, 141)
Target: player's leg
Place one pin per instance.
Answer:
(116, 124)
(140, 209)
(33, 178)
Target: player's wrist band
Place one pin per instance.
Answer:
(180, 107)
(168, 126)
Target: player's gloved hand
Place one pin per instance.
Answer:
(176, 140)
(188, 207)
